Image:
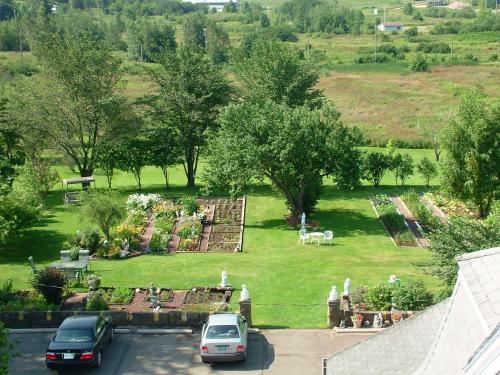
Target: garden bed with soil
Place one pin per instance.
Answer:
(393, 221)
(226, 232)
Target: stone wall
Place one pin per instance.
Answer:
(52, 319)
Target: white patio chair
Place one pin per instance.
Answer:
(83, 256)
(65, 256)
(303, 236)
(328, 236)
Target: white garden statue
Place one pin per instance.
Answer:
(347, 284)
(224, 280)
(245, 294)
(333, 294)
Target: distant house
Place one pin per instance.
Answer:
(458, 336)
(218, 5)
(390, 26)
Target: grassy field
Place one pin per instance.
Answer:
(288, 282)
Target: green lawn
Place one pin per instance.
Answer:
(289, 283)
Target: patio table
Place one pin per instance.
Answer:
(316, 236)
(76, 265)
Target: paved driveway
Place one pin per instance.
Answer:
(284, 351)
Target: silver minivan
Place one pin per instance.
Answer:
(224, 338)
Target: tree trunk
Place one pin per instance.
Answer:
(164, 169)
(86, 172)
(190, 174)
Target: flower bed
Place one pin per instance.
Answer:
(166, 295)
(393, 220)
(204, 295)
(451, 206)
(426, 219)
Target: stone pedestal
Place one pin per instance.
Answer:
(334, 313)
(246, 310)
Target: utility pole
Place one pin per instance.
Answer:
(376, 43)
(452, 46)
(142, 57)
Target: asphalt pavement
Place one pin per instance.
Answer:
(284, 351)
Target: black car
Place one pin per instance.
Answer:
(79, 341)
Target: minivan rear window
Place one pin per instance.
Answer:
(222, 332)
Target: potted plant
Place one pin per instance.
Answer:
(357, 320)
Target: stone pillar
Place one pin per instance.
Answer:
(246, 304)
(334, 312)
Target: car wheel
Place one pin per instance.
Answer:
(99, 359)
(112, 335)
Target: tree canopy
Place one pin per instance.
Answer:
(292, 147)
(471, 163)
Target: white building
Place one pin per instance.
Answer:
(218, 5)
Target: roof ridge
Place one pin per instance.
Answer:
(478, 254)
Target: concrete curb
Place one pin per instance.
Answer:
(253, 330)
(358, 330)
(31, 330)
(164, 330)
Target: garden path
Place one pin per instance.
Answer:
(207, 228)
(146, 237)
(176, 301)
(435, 210)
(411, 221)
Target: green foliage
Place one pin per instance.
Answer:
(411, 32)
(411, 296)
(472, 161)
(146, 38)
(19, 210)
(134, 155)
(5, 350)
(427, 169)
(74, 253)
(190, 206)
(50, 282)
(38, 176)
(375, 164)
(189, 94)
(97, 302)
(104, 210)
(274, 71)
(436, 47)
(121, 295)
(401, 165)
(379, 297)
(460, 236)
(74, 106)
(420, 64)
(408, 9)
(159, 241)
(426, 218)
(88, 238)
(293, 147)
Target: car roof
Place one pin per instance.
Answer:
(79, 322)
(223, 319)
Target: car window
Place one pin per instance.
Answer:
(222, 332)
(74, 335)
(99, 326)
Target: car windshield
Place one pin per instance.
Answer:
(222, 332)
(74, 335)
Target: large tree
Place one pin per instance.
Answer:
(471, 163)
(292, 147)
(275, 71)
(189, 93)
(74, 106)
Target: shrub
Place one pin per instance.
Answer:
(6, 291)
(164, 224)
(134, 245)
(89, 239)
(427, 219)
(411, 32)
(404, 239)
(395, 221)
(420, 64)
(104, 209)
(50, 283)
(411, 296)
(144, 202)
(190, 206)
(379, 297)
(159, 241)
(96, 302)
(74, 253)
(114, 251)
(121, 295)
(358, 298)
(127, 231)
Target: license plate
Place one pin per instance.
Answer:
(68, 355)
(222, 348)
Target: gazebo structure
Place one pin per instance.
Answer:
(71, 197)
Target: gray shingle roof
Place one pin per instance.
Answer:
(481, 271)
(399, 349)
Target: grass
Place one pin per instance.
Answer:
(288, 282)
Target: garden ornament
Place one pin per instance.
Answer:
(224, 280)
(347, 284)
(245, 294)
(378, 320)
(333, 294)
(342, 323)
(303, 220)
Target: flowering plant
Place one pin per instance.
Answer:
(144, 202)
(127, 231)
(357, 317)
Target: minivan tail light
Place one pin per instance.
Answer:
(51, 356)
(240, 348)
(204, 349)
(86, 356)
